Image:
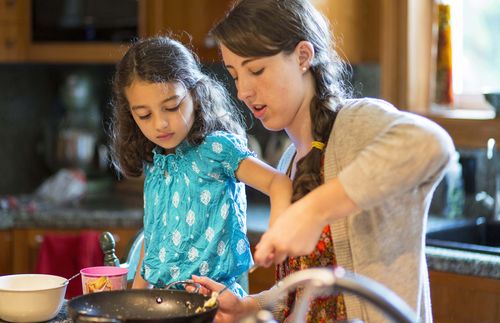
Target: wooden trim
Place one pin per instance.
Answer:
(393, 56)
(420, 55)
(75, 52)
(470, 133)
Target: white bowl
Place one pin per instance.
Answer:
(31, 297)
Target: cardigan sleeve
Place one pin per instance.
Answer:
(395, 151)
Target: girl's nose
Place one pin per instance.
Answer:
(161, 123)
(245, 90)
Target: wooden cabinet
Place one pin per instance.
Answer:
(5, 252)
(13, 28)
(356, 28)
(25, 244)
(188, 20)
(464, 299)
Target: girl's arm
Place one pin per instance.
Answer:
(139, 282)
(269, 181)
(298, 230)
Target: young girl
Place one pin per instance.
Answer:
(363, 172)
(179, 127)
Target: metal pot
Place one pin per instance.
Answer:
(141, 305)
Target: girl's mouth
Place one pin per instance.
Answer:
(165, 136)
(259, 110)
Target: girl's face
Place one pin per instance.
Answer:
(272, 87)
(163, 111)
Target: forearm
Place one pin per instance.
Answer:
(280, 193)
(327, 202)
(139, 282)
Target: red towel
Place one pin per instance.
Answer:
(65, 254)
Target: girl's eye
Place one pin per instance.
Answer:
(145, 117)
(258, 72)
(172, 109)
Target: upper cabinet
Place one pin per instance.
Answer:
(187, 20)
(13, 28)
(356, 28)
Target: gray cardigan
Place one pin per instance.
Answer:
(389, 163)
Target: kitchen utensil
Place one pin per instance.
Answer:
(31, 297)
(70, 279)
(103, 278)
(140, 305)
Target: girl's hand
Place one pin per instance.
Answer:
(231, 307)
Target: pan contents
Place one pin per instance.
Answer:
(209, 303)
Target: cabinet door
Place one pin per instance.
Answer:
(27, 242)
(5, 252)
(464, 299)
(188, 21)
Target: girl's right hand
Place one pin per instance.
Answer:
(231, 307)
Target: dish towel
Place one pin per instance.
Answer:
(65, 254)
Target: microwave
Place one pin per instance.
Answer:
(84, 20)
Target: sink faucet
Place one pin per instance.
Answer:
(491, 197)
(486, 203)
(323, 281)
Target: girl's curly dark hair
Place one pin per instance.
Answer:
(259, 28)
(161, 60)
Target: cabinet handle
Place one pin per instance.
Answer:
(38, 239)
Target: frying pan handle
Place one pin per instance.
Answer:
(81, 318)
(184, 283)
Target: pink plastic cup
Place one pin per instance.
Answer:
(103, 278)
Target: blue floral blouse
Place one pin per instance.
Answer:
(195, 213)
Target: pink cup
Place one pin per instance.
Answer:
(103, 278)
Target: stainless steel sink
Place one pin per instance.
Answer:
(481, 236)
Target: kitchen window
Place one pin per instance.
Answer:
(475, 51)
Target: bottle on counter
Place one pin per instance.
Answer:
(444, 80)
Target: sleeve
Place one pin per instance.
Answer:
(227, 150)
(269, 297)
(402, 151)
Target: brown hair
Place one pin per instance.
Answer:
(259, 28)
(162, 60)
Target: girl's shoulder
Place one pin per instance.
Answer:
(219, 140)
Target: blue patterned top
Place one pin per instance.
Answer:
(195, 213)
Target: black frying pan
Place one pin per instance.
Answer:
(140, 305)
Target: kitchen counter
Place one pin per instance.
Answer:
(122, 212)
(439, 259)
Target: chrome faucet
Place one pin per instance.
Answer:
(328, 281)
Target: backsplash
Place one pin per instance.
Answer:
(30, 106)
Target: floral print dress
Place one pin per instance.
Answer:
(321, 309)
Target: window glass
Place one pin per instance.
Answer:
(475, 46)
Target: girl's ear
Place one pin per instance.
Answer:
(305, 54)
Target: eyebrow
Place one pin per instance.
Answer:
(246, 61)
(170, 98)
